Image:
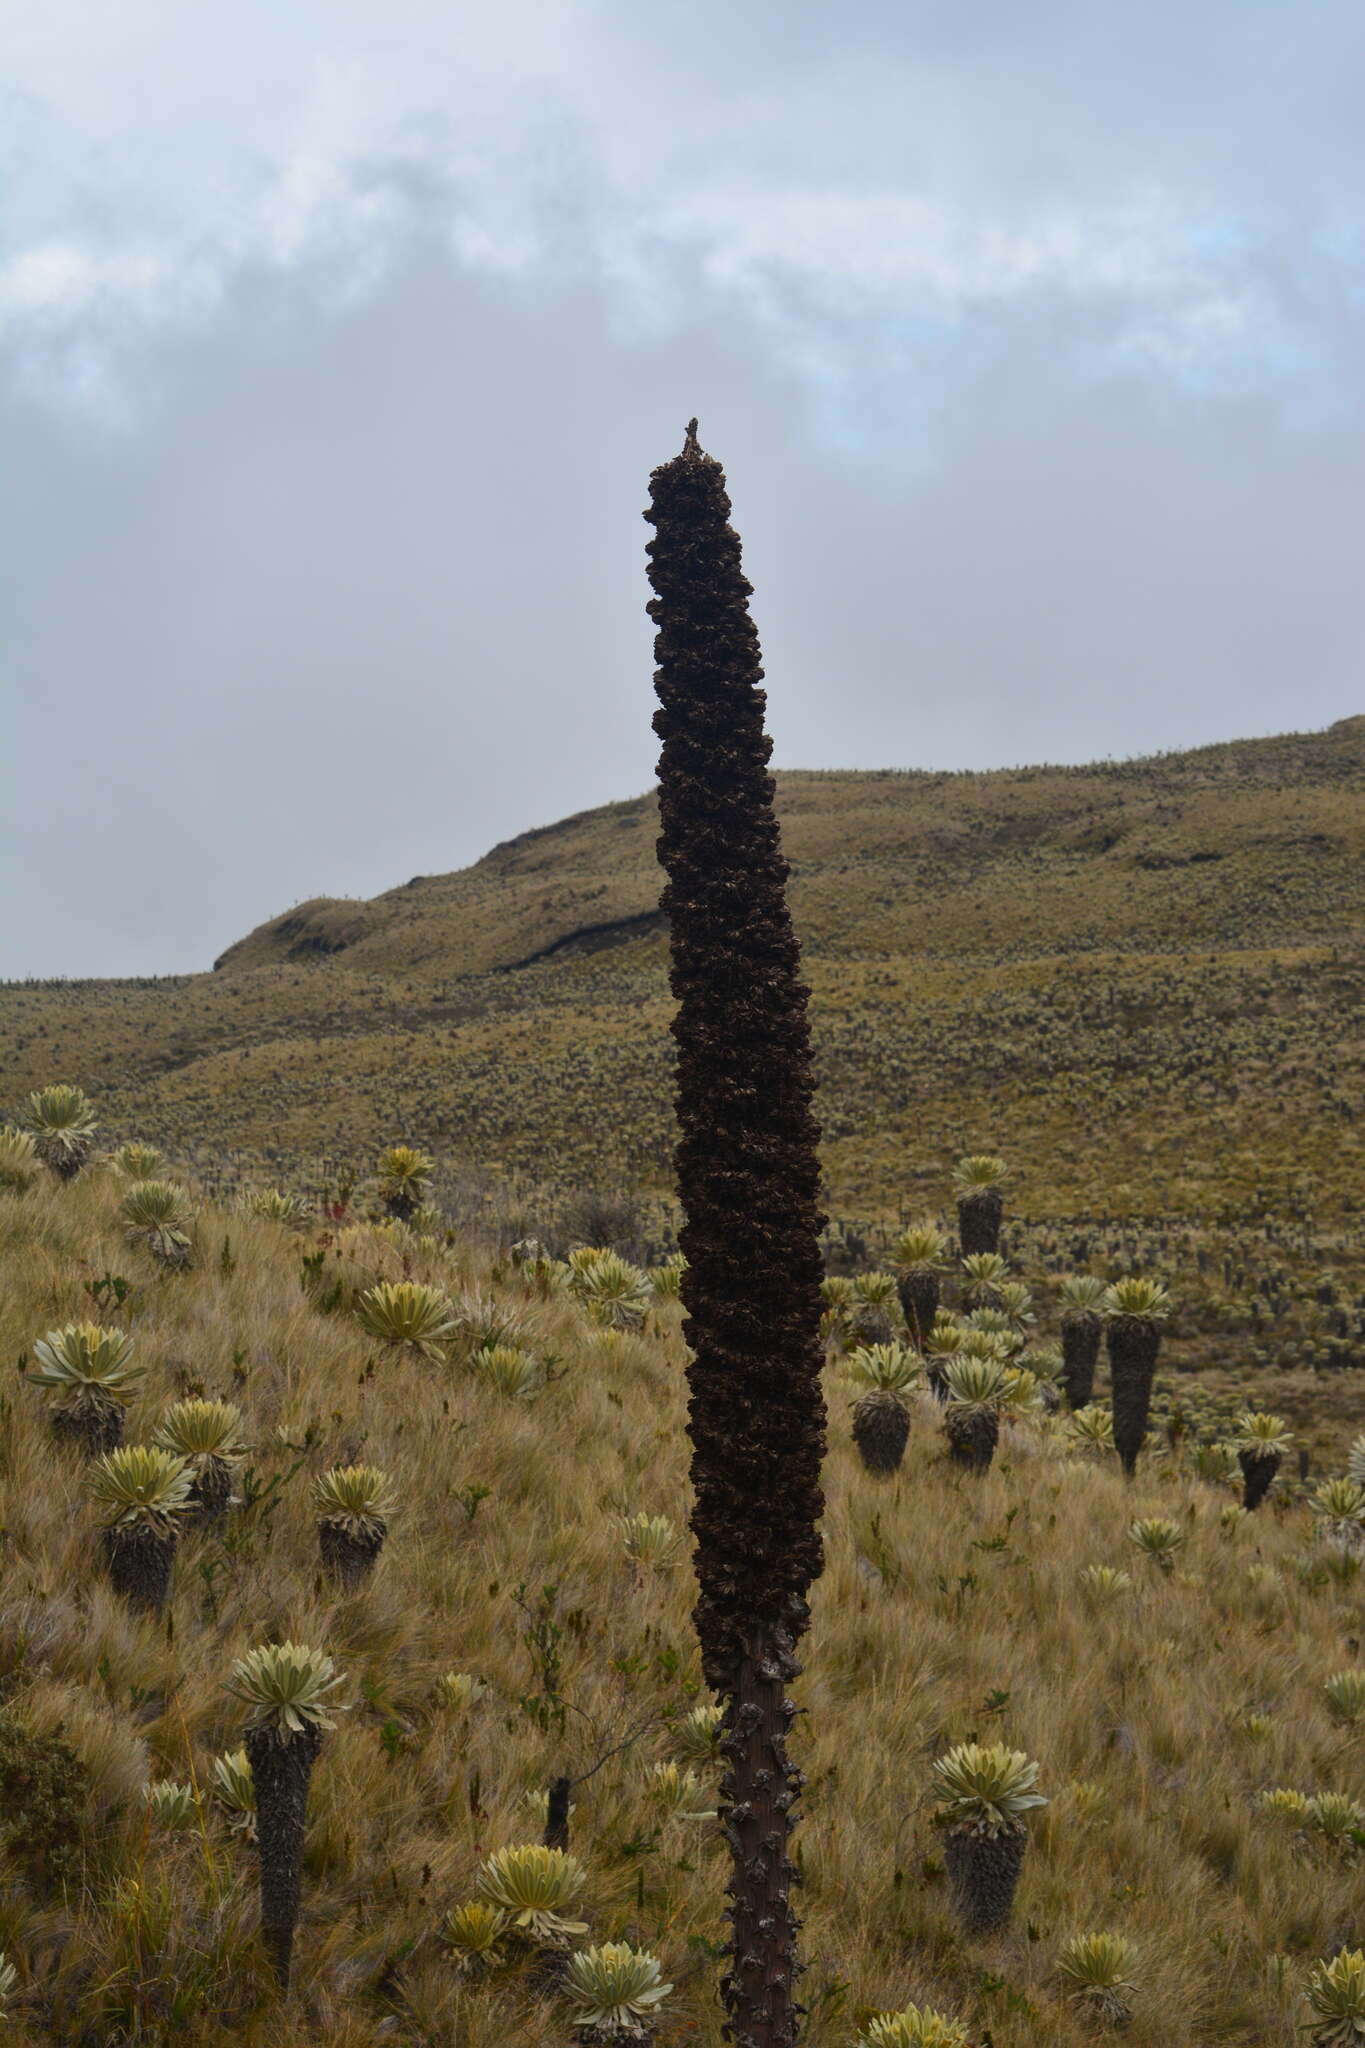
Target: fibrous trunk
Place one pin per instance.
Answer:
(871, 1323)
(94, 1425)
(65, 1161)
(1081, 1330)
(139, 1561)
(1133, 1345)
(1258, 1475)
(881, 1429)
(748, 1182)
(983, 1871)
(556, 1835)
(281, 1772)
(349, 1556)
(972, 1436)
(978, 1221)
(936, 1378)
(212, 1489)
(919, 1293)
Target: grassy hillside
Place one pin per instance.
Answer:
(1141, 981)
(949, 1606)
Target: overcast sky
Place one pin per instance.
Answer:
(338, 338)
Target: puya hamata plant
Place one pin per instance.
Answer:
(88, 1373)
(289, 1688)
(881, 1418)
(407, 1314)
(1336, 1999)
(207, 1435)
(145, 1494)
(1260, 1441)
(914, 2026)
(1134, 1310)
(1098, 1972)
(976, 1388)
(616, 1991)
(979, 1180)
(985, 1791)
(536, 1887)
(403, 1180)
(1082, 1296)
(61, 1122)
(920, 1258)
(155, 1215)
(353, 1504)
(748, 1177)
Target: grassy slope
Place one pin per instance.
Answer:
(947, 1607)
(1149, 970)
(1141, 981)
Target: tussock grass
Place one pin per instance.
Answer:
(951, 1608)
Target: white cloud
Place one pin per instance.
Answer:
(159, 153)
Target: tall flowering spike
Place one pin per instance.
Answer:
(748, 1180)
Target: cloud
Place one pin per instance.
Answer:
(844, 187)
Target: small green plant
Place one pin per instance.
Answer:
(1284, 1803)
(985, 1791)
(407, 1312)
(666, 1280)
(616, 1991)
(154, 1214)
(145, 1493)
(353, 1504)
(235, 1790)
(404, 1180)
(18, 1159)
(914, 2026)
(137, 1161)
(1339, 1514)
(1157, 1539)
(1090, 1430)
(1336, 1997)
(271, 1205)
(1345, 1695)
(171, 1805)
(474, 1934)
(535, 1887)
(1098, 1970)
(458, 1691)
(288, 1687)
(207, 1435)
(696, 1738)
(1104, 1582)
(87, 1369)
(509, 1371)
(615, 1293)
(678, 1793)
(975, 1389)
(61, 1122)
(1337, 1821)
(649, 1541)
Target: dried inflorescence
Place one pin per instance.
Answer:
(748, 1181)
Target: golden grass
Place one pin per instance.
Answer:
(949, 1608)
